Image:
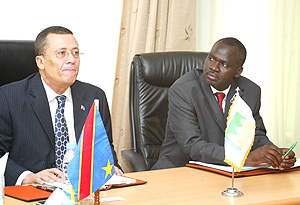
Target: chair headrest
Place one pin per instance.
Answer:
(17, 60)
(163, 68)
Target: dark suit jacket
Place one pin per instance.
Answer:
(26, 129)
(196, 125)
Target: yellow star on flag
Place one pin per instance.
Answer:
(108, 168)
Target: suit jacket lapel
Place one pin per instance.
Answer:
(212, 104)
(81, 108)
(40, 105)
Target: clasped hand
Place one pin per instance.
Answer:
(271, 155)
(47, 175)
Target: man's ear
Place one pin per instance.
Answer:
(239, 72)
(40, 62)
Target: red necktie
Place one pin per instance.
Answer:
(220, 97)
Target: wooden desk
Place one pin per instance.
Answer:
(193, 186)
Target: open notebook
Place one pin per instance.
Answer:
(246, 170)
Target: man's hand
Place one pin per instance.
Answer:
(118, 171)
(289, 160)
(266, 154)
(47, 175)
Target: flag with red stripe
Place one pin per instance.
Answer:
(92, 165)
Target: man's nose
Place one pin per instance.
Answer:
(70, 57)
(215, 66)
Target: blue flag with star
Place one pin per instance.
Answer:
(93, 163)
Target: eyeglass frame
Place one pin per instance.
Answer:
(66, 53)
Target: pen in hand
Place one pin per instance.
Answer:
(291, 148)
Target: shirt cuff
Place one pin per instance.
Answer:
(22, 176)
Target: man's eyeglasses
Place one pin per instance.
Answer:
(65, 53)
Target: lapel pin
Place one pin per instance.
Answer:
(82, 107)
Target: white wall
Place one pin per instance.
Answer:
(95, 24)
(248, 21)
(253, 30)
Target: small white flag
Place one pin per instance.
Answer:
(239, 134)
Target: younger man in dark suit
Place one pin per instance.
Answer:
(28, 109)
(196, 122)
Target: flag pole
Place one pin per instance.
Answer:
(97, 193)
(97, 197)
(232, 192)
(232, 183)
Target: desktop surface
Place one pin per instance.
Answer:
(193, 186)
(187, 185)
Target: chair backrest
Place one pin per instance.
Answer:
(151, 75)
(17, 60)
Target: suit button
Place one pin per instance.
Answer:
(53, 165)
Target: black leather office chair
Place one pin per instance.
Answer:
(151, 75)
(17, 60)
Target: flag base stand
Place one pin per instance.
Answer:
(232, 192)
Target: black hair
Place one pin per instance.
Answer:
(235, 42)
(41, 39)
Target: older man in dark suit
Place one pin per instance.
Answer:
(196, 122)
(28, 109)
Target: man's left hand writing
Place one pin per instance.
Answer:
(289, 160)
